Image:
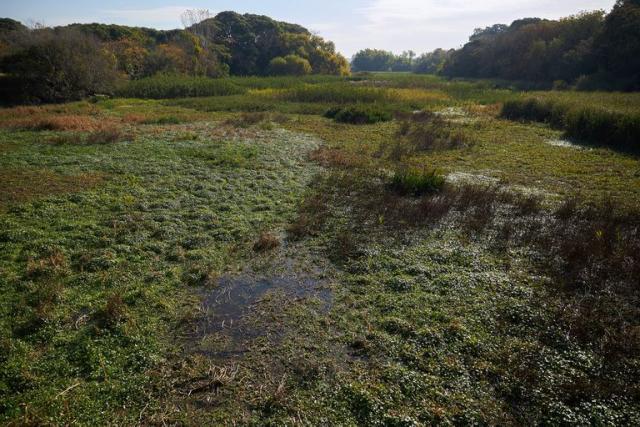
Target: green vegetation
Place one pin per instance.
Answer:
(290, 65)
(238, 257)
(380, 60)
(73, 62)
(588, 51)
(175, 86)
(343, 93)
(417, 182)
(594, 124)
(359, 114)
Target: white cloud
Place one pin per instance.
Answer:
(164, 15)
(423, 25)
(383, 12)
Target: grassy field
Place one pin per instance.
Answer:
(241, 259)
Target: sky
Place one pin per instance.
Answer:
(396, 25)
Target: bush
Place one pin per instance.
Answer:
(416, 182)
(592, 124)
(60, 66)
(358, 114)
(245, 120)
(266, 242)
(176, 86)
(290, 65)
(425, 131)
(107, 135)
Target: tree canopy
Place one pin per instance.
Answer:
(590, 48)
(229, 43)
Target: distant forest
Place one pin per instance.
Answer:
(591, 50)
(62, 63)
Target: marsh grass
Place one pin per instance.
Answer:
(177, 86)
(22, 185)
(424, 131)
(592, 124)
(163, 120)
(590, 248)
(474, 304)
(55, 123)
(106, 135)
(266, 242)
(416, 182)
(336, 94)
(359, 114)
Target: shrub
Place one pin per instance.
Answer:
(425, 131)
(604, 127)
(359, 114)
(67, 138)
(290, 65)
(164, 120)
(61, 66)
(107, 135)
(114, 311)
(416, 182)
(266, 242)
(560, 85)
(177, 86)
(592, 124)
(245, 120)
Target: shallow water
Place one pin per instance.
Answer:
(231, 319)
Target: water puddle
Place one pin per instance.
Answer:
(246, 309)
(471, 178)
(565, 144)
(456, 115)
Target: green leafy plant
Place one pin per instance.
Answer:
(415, 182)
(359, 114)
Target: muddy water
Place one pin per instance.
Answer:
(240, 310)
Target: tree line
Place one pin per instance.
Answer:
(63, 63)
(591, 50)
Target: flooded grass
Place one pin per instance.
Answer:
(243, 260)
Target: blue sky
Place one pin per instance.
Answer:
(420, 25)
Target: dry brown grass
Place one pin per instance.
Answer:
(22, 185)
(135, 118)
(245, 120)
(114, 312)
(52, 262)
(71, 122)
(266, 242)
(105, 135)
(336, 157)
(490, 110)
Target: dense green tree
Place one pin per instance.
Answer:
(530, 49)
(252, 41)
(404, 61)
(432, 62)
(9, 25)
(214, 47)
(61, 65)
(290, 65)
(373, 60)
(618, 46)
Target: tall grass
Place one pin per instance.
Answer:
(337, 93)
(176, 86)
(416, 182)
(359, 114)
(619, 129)
(283, 82)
